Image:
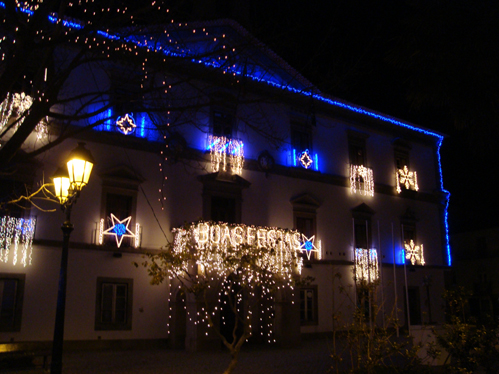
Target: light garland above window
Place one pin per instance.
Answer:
(366, 265)
(17, 234)
(226, 151)
(408, 179)
(361, 180)
(414, 253)
(213, 241)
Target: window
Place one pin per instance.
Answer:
(11, 301)
(121, 206)
(414, 250)
(401, 153)
(114, 304)
(357, 148)
(304, 221)
(362, 234)
(222, 123)
(301, 137)
(308, 306)
(223, 209)
(126, 92)
(414, 306)
(119, 198)
(222, 197)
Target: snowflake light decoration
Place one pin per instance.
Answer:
(366, 264)
(119, 229)
(358, 173)
(126, 124)
(414, 253)
(408, 179)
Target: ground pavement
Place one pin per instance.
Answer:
(311, 357)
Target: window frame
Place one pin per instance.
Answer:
(113, 326)
(15, 326)
(305, 207)
(227, 112)
(314, 320)
(357, 141)
(304, 129)
(120, 180)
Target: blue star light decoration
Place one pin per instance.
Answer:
(119, 229)
(126, 124)
(308, 245)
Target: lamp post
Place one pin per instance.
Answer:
(68, 183)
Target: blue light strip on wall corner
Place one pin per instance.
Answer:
(316, 160)
(294, 157)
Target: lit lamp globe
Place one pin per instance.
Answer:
(79, 167)
(61, 184)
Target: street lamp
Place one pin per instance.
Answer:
(68, 183)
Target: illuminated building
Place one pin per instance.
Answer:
(340, 193)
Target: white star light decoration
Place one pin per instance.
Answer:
(119, 229)
(308, 246)
(414, 253)
(408, 179)
(126, 124)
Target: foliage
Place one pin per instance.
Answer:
(470, 346)
(241, 279)
(369, 343)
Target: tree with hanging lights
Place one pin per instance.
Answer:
(234, 270)
(60, 59)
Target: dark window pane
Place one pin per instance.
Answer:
(301, 140)
(360, 236)
(222, 124)
(305, 226)
(223, 209)
(8, 305)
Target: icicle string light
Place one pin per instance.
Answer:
(19, 232)
(361, 180)
(220, 147)
(366, 265)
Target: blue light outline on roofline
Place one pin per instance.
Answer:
(337, 103)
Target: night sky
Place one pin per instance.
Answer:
(434, 64)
